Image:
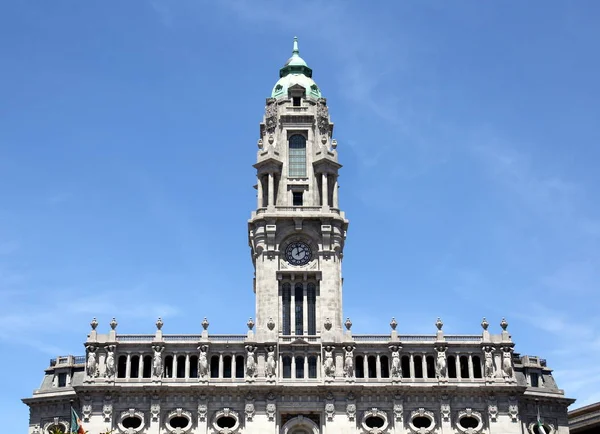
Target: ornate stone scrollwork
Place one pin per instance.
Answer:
(466, 419)
(351, 407)
(513, 408)
(57, 423)
(107, 410)
(226, 421)
(330, 406)
(249, 408)
(492, 409)
(374, 421)
(507, 367)
(271, 116)
(271, 407)
(398, 408)
(155, 411)
(548, 428)
(174, 424)
(421, 421)
(445, 408)
(202, 408)
(86, 412)
(131, 414)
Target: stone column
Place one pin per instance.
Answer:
(471, 374)
(424, 364)
(378, 366)
(128, 366)
(259, 192)
(458, 372)
(325, 193)
(293, 311)
(306, 366)
(294, 366)
(187, 365)
(220, 365)
(141, 366)
(233, 365)
(271, 190)
(174, 366)
(335, 193)
(412, 366)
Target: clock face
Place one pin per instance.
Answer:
(298, 253)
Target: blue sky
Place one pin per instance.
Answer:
(468, 133)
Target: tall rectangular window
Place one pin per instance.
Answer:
(297, 198)
(286, 299)
(311, 296)
(299, 311)
(297, 156)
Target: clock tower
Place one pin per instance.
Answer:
(297, 232)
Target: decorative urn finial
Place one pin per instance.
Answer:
(485, 324)
(327, 324)
(159, 323)
(113, 323)
(503, 324)
(250, 324)
(205, 324)
(393, 323)
(271, 323)
(348, 324)
(94, 323)
(439, 324)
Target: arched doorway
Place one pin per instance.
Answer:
(300, 425)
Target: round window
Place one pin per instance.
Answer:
(468, 422)
(226, 422)
(547, 429)
(179, 422)
(131, 422)
(374, 422)
(421, 422)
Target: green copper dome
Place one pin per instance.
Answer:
(295, 71)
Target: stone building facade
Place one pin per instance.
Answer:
(299, 368)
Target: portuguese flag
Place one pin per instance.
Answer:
(76, 426)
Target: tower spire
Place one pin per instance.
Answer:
(295, 51)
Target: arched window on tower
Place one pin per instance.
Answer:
(286, 298)
(297, 156)
(299, 308)
(287, 366)
(311, 295)
(121, 366)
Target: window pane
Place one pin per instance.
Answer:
(299, 308)
(311, 305)
(286, 297)
(297, 157)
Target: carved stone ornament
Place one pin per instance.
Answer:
(439, 324)
(323, 118)
(493, 409)
(202, 411)
(328, 363)
(270, 324)
(393, 323)
(159, 323)
(351, 407)
(228, 413)
(157, 363)
(507, 367)
(484, 324)
(445, 409)
(250, 324)
(421, 412)
(35, 429)
(94, 323)
(271, 410)
(155, 411)
(271, 116)
(271, 364)
(91, 365)
(203, 363)
(398, 410)
(110, 368)
(327, 324)
(441, 365)
(131, 413)
(504, 324)
(488, 364)
(249, 410)
(348, 324)
(396, 368)
(59, 423)
(349, 362)
(205, 324)
(375, 412)
(107, 410)
(548, 427)
(471, 414)
(113, 324)
(179, 413)
(513, 409)
(330, 409)
(86, 412)
(250, 363)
